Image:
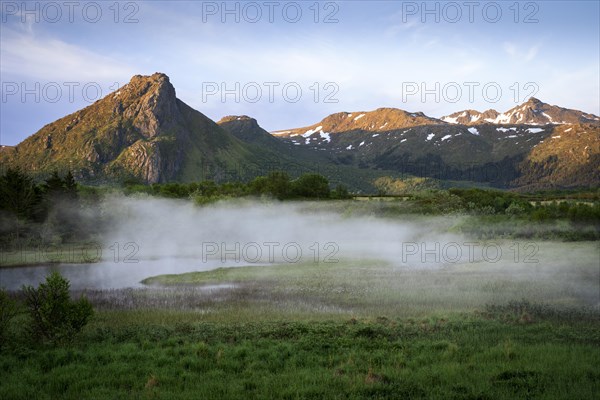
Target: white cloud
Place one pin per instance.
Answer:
(520, 53)
(31, 57)
(531, 53)
(510, 49)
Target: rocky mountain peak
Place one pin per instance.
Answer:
(379, 120)
(139, 131)
(140, 86)
(246, 129)
(241, 118)
(150, 101)
(534, 101)
(532, 112)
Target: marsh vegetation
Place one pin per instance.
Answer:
(458, 294)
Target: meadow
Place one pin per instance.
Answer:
(393, 313)
(351, 329)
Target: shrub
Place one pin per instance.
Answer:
(54, 316)
(8, 310)
(340, 192)
(311, 186)
(276, 184)
(514, 209)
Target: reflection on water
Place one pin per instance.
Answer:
(106, 274)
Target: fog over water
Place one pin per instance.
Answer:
(153, 236)
(262, 232)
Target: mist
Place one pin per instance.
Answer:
(421, 251)
(247, 232)
(416, 259)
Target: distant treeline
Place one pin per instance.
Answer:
(33, 210)
(578, 208)
(58, 210)
(277, 184)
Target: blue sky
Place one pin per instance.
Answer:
(343, 56)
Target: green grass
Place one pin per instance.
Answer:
(353, 329)
(49, 254)
(181, 356)
(359, 329)
(367, 287)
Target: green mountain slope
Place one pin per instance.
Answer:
(142, 132)
(504, 156)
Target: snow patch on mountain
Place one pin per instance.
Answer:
(311, 131)
(450, 120)
(326, 136)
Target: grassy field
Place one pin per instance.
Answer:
(50, 254)
(369, 325)
(331, 330)
(366, 288)
(178, 355)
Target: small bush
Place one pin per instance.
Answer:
(340, 192)
(54, 316)
(8, 310)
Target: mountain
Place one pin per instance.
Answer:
(471, 117)
(141, 132)
(380, 120)
(300, 159)
(569, 157)
(508, 155)
(247, 130)
(144, 133)
(532, 112)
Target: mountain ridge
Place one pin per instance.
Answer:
(532, 112)
(143, 132)
(384, 118)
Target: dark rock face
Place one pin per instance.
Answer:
(157, 107)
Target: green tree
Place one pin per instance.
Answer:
(276, 184)
(62, 204)
(233, 189)
(174, 190)
(340, 192)
(58, 189)
(279, 184)
(54, 316)
(18, 194)
(311, 186)
(207, 188)
(70, 185)
(258, 185)
(54, 185)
